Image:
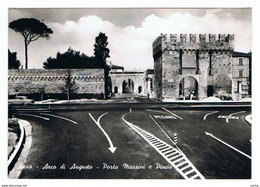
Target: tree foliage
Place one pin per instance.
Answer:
(70, 86)
(75, 60)
(31, 29)
(13, 62)
(71, 59)
(101, 53)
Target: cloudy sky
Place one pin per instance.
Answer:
(130, 31)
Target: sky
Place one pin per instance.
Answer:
(130, 31)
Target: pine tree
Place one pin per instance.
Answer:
(101, 53)
(31, 29)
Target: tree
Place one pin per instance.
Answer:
(71, 59)
(31, 29)
(13, 63)
(101, 53)
(70, 87)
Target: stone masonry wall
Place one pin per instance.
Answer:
(204, 77)
(88, 81)
(170, 70)
(222, 72)
(157, 55)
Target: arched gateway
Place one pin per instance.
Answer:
(129, 82)
(128, 86)
(188, 88)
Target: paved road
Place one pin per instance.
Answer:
(114, 141)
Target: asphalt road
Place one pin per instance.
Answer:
(131, 142)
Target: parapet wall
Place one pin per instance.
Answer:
(55, 73)
(194, 42)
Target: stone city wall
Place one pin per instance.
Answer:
(88, 81)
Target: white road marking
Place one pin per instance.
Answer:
(157, 111)
(164, 116)
(209, 114)
(111, 148)
(60, 118)
(174, 161)
(164, 132)
(172, 113)
(32, 115)
(209, 134)
(233, 114)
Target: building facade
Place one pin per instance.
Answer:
(241, 75)
(128, 82)
(137, 82)
(193, 68)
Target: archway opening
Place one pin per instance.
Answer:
(210, 90)
(115, 89)
(128, 86)
(140, 89)
(188, 88)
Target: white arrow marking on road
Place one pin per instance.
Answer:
(209, 114)
(34, 116)
(111, 148)
(233, 114)
(172, 113)
(209, 134)
(60, 118)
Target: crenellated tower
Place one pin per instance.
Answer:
(185, 65)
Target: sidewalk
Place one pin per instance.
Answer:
(13, 135)
(249, 119)
(17, 157)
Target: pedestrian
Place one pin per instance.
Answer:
(191, 95)
(148, 94)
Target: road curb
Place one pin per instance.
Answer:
(176, 106)
(18, 147)
(15, 166)
(248, 118)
